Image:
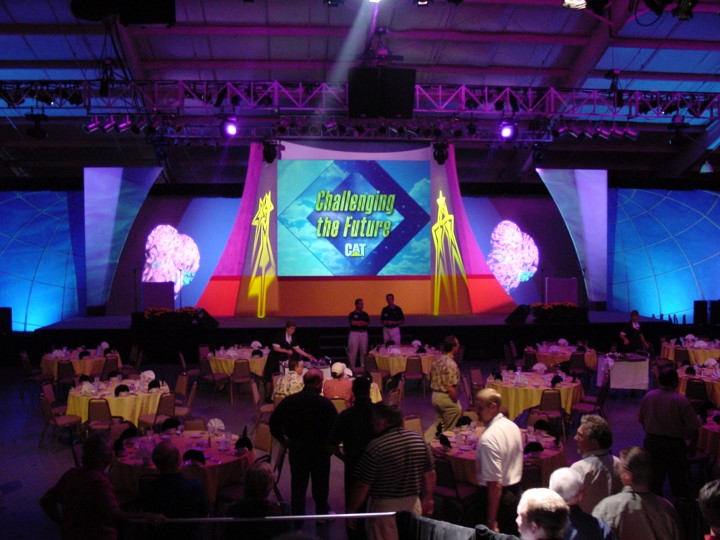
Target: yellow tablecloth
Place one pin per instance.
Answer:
(562, 354)
(397, 363)
(697, 356)
(221, 467)
(129, 407)
(83, 366)
(225, 364)
(519, 398)
(464, 464)
(711, 385)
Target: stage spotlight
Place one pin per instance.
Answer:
(508, 130)
(684, 8)
(229, 128)
(138, 127)
(604, 132)
(631, 134)
(45, 97)
(108, 125)
(707, 168)
(456, 2)
(333, 3)
(120, 127)
(92, 126)
(440, 152)
(422, 2)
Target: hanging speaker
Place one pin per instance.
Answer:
(381, 93)
(714, 312)
(700, 312)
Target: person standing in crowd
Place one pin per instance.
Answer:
(284, 345)
(444, 382)
(396, 473)
(668, 419)
(499, 462)
(631, 335)
(636, 512)
(302, 422)
(358, 337)
(569, 485)
(542, 515)
(391, 317)
(598, 467)
(354, 429)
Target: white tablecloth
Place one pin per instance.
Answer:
(629, 373)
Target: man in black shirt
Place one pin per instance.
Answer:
(358, 338)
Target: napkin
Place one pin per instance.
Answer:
(711, 362)
(539, 368)
(701, 344)
(215, 424)
(416, 343)
(244, 441)
(147, 376)
(256, 345)
(87, 388)
(563, 342)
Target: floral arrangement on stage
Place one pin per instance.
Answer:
(558, 312)
(166, 313)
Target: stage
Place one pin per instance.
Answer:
(483, 335)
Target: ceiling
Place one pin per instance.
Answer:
(470, 55)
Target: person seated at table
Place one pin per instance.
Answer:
(193, 456)
(292, 381)
(339, 386)
(174, 495)
(83, 502)
(569, 485)
(542, 514)
(259, 480)
(636, 512)
(631, 335)
(709, 500)
(84, 354)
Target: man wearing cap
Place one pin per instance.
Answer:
(339, 386)
(358, 338)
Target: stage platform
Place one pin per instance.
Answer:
(483, 335)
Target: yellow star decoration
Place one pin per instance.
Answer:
(264, 270)
(448, 260)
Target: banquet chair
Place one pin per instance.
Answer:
(339, 404)
(576, 366)
(185, 411)
(262, 409)
(459, 355)
(531, 476)
(371, 367)
(131, 369)
(551, 405)
(65, 373)
(203, 350)
(507, 354)
(193, 372)
(696, 392)
(69, 422)
(110, 366)
(181, 389)
(413, 422)
(32, 375)
(99, 415)
(217, 380)
(48, 391)
(195, 424)
(529, 360)
(467, 388)
(263, 442)
(414, 372)
(476, 380)
(240, 375)
(393, 399)
(96, 370)
(165, 409)
(460, 495)
(275, 380)
(594, 406)
(682, 356)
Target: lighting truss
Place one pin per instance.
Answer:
(269, 98)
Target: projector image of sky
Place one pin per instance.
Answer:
(323, 232)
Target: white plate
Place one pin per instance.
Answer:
(195, 435)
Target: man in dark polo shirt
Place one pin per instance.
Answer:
(358, 338)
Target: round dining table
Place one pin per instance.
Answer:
(462, 456)
(82, 366)
(223, 465)
(712, 384)
(557, 354)
(394, 359)
(131, 406)
(697, 355)
(223, 361)
(520, 396)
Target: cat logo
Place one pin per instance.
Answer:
(355, 250)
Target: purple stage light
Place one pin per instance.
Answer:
(229, 127)
(507, 130)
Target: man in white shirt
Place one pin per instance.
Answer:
(499, 462)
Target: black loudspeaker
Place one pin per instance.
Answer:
(519, 315)
(204, 320)
(381, 93)
(700, 312)
(147, 12)
(5, 320)
(714, 312)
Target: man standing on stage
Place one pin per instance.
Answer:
(358, 338)
(391, 318)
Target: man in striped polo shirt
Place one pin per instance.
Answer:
(395, 471)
